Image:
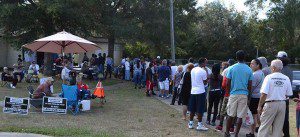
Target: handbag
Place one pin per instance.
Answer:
(179, 88)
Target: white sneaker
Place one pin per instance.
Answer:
(191, 124)
(201, 127)
(13, 87)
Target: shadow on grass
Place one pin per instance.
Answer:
(74, 132)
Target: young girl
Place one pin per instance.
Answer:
(298, 113)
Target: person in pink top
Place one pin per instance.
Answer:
(298, 113)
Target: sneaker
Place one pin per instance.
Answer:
(231, 130)
(201, 127)
(191, 123)
(219, 128)
(213, 124)
(13, 87)
(250, 135)
(226, 134)
(168, 96)
(256, 129)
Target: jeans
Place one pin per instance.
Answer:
(143, 82)
(127, 74)
(137, 75)
(214, 98)
(101, 68)
(21, 74)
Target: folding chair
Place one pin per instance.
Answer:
(71, 94)
(3, 82)
(37, 103)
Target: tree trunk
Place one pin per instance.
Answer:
(111, 45)
(48, 64)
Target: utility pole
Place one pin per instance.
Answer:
(172, 31)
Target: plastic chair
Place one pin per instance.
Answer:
(71, 94)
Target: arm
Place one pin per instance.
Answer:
(262, 100)
(228, 84)
(249, 89)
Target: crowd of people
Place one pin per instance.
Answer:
(224, 90)
(227, 90)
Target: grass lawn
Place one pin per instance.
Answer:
(127, 113)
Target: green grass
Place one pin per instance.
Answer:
(76, 132)
(128, 112)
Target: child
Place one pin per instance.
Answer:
(298, 113)
(149, 80)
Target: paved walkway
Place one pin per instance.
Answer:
(244, 130)
(9, 134)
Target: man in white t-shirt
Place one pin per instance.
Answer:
(274, 91)
(197, 98)
(127, 69)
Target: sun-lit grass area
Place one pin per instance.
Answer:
(128, 112)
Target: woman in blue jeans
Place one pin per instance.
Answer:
(137, 74)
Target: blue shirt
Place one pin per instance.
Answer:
(239, 74)
(163, 73)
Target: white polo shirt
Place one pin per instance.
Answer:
(198, 75)
(277, 86)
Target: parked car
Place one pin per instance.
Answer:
(296, 83)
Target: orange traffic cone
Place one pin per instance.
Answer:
(99, 90)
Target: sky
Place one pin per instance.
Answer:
(238, 4)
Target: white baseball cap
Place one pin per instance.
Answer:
(281, 54)
(158, 57)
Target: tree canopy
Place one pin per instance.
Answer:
(211, 31)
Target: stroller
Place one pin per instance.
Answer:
(71, 93)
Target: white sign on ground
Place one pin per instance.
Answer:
(54, 105)
(13, 105)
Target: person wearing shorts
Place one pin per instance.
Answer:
(198, 96)
(164, 74)
(239, 81)
(258, 78)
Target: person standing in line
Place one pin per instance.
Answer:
(191, 60)
(297, 100)
(109, 66)
(186, 89)
(215, 94)
(149, 80)
(283, 56)
(137, 74)
(127, 70)
(239, 81)
(258, 78)
(198, 96)
(265, 68)
(223, 110)
(173, 69)
(272, 104)
(176, 82)
(164, 74)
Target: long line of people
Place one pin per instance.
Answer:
(227, 90)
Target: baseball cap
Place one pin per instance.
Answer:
(50, 79)
(158, 57)
(281, 54)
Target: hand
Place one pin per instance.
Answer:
(259, 110)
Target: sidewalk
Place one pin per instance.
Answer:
(10, 134)
(244, 130)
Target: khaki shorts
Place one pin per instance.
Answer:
(237, 106)
(224, 107)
